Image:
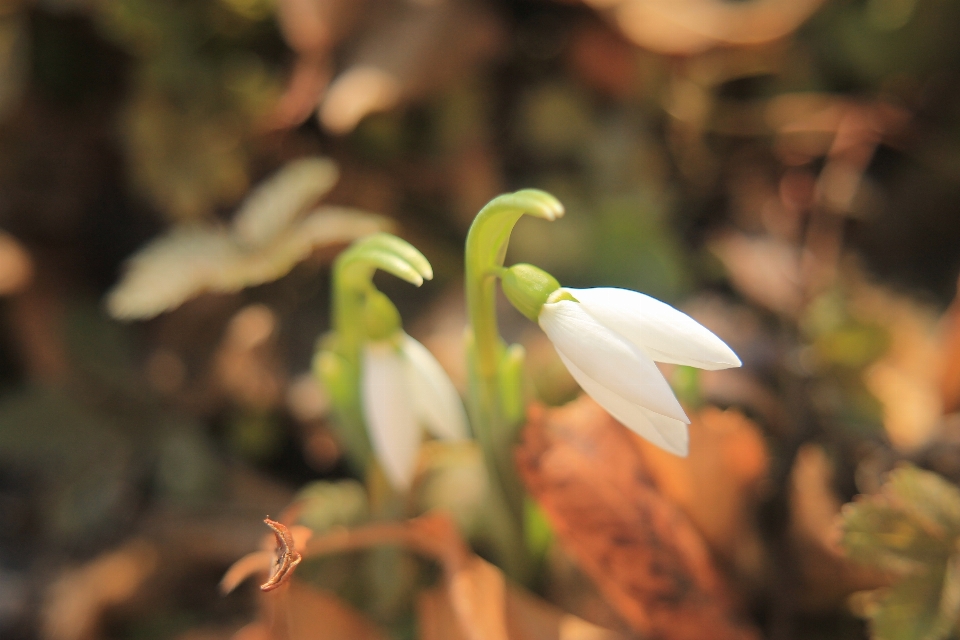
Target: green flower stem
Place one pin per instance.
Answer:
(493, 407)
(361, 313)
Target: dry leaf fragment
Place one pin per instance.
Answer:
(828, 577)
(270, 234)
(640, 549)
(75, 602)
(950, 379)
(319, 615)
(305, 613)
(287, 556)
(414, 49)
(764, 269)
(16, 265)
(692, 26)
(474, 603)
(527, 618)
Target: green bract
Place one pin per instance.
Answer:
(528, 288)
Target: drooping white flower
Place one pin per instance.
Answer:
(609, 340)
(404, 391)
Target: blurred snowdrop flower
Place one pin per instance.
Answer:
(609, 340)
(404, 389)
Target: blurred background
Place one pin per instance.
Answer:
(786, 171)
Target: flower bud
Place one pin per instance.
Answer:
(380, 318)
(527, 287)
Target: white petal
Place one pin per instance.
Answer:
(608, 359)
(666, 433)
(659, 330)
(434, 397)
(391, 422)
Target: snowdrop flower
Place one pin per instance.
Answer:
(609, 340)
(405, 389)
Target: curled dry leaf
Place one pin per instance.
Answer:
(287, 556)
(281, 551)
(641, 550)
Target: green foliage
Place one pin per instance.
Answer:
(201, 90)
(910, 529)
(325, 505)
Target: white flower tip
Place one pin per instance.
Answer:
(681, 449)
(432, 394)
(724, 356)
(554, 213)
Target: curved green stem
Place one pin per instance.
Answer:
(486, 249)
(494, 413)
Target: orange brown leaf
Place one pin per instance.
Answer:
(641, 550)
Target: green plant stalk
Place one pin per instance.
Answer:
(493, 410)
(338, 360)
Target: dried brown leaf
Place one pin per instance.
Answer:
(474, 602)
(77, 600)
(318, 615)
(716, 484)
(530, 618)
(16, 265)
(827, 576)
(693, 26)
(527, 618)
(436, 618)
(950, 378)
(641, 550)
(477, 592)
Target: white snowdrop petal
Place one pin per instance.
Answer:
(666, 433)
(608, 359)
(391, 421)
(434, 397)
(660, 331)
